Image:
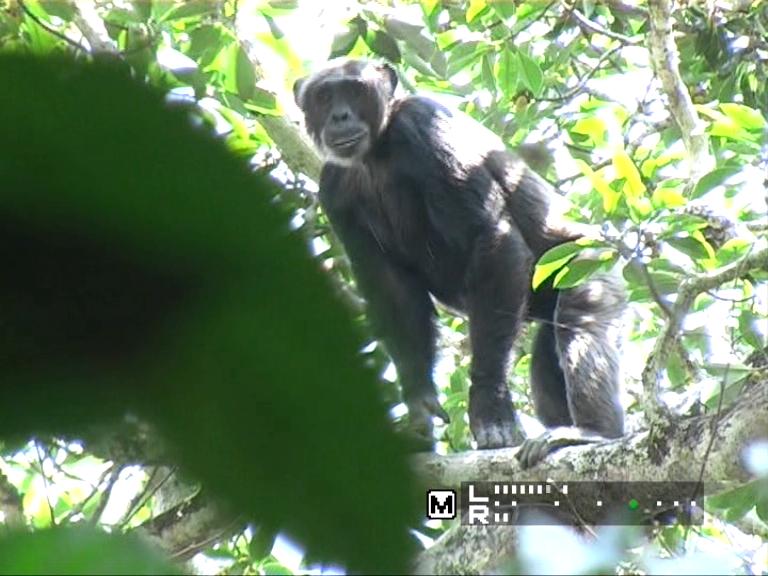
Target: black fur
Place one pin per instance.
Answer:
(428, 202)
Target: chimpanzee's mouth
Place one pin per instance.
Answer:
(347, 142)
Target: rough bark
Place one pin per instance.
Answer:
(666, 60)
(707, 448)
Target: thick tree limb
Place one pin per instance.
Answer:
(676, 455)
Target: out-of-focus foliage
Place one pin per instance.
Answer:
(569, 85)
(78, 551)
(151, 274)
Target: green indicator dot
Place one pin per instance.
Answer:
(633, 504)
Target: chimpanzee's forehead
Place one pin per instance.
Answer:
(346, 69)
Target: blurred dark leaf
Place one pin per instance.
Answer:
(79, 551)
(58, 8)
(188, 9)
(383, 45)
(148, 270)
(344, 41)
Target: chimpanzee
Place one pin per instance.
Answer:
(429, 203)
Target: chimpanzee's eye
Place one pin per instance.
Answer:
(323, 95)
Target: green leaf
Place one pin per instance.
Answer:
(632, 273)
(667, 198)
(740, 497)
(489, 79)
(459, 381)
(504, 8)
(276, 569)
(748, 329)
(187, 10)
(415, 61)
(553, 260)
(414, 37)
(506, 73)
(576, 272)
(746, 117)
(382, 44)
(439, 64)
(204, 44)
(431, 11)
(609, 195)
(592, 126)
(531, 73)
(41, 41)
(677, 223)
(665, 282)
(162, 308)
(275, 8)
(693, 245)
(475, 8)
(736, 503)
(344, 41)
(640, 208)
(262, 101)
(246, 77)
(626, 169)
(79, 551)
(262, 541)
(464, 55)
(126, 17)
(63, 10)
(761, 506)
(143, 9)
(730, 129)
(732, 250)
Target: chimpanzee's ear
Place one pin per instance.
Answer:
(388, 72)
(298, 94)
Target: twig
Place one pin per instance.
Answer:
(586, 78)
(106, 494)
(689, 289)
(46, 485)
(597, 28)
(49, 29)
(95, 490)
(143, 497)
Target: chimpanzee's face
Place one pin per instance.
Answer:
(345, 107)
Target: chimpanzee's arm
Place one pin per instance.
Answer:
(400, 310)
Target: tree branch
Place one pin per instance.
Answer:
(296, 149)
(598, 29)
(675, 455)
(92, 27)
(689, 289)
(665, 61)
(50, 29)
